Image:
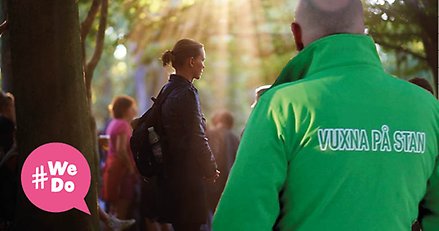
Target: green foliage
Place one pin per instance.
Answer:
(247, 44)
(147, 28)
(406, 31)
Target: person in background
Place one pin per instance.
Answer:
(258, 93)
(8, 161)
(120, 176)
(112, 223)
(149, 206)
(336, 143)
(7, 122)
(422, 83)
(188, 160)
(224, 145)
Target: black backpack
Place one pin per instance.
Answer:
(139, 142)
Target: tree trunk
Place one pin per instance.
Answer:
(425, 13)
(432, 59)
(5, 53)
(51, 100)
(431, 48)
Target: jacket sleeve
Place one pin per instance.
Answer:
(430, 207)
(197, 140)
(251, 197)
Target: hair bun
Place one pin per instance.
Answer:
(167, 57)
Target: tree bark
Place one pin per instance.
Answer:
(51, 100)
(5, 53)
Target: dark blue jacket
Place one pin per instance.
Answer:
(188, 158)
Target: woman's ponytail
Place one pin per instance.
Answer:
(167, 58)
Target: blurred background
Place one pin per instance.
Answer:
(247, 43)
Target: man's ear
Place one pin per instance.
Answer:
(297, 32)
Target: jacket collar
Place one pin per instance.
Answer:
(179, 79)
(332, 51)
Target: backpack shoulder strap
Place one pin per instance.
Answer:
(157, 101)
(166, 90)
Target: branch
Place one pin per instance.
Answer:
(403, 36)
(88, 22)
(91, 65)
(400, 48)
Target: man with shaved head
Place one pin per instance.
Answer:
(336, 143)
(321, 18)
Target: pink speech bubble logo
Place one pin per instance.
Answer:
(56, 178)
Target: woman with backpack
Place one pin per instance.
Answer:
(188, 160)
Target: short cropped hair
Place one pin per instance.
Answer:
(223, 117)
(329, 21)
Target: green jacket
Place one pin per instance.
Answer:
(336, 144)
